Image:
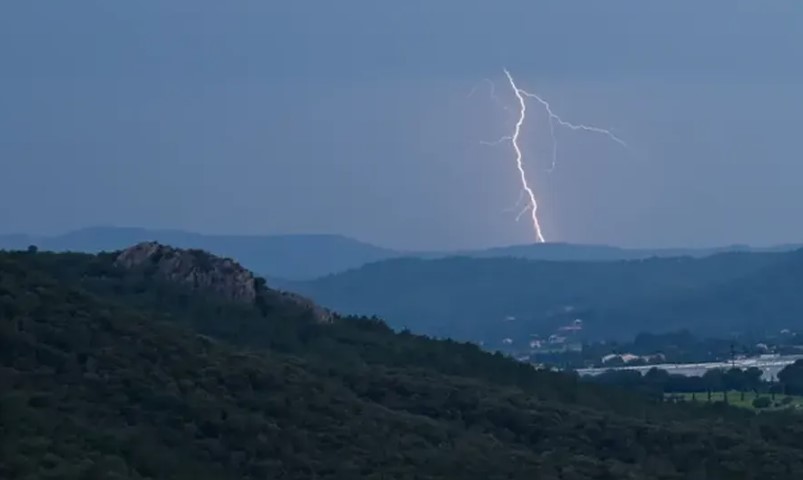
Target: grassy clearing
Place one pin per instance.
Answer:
(744, 400)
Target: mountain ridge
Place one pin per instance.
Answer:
(309, 256)
(489, 300)
(283, 256)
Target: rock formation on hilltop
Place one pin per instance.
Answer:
(204, 272)
(194, 269)
(321, 314)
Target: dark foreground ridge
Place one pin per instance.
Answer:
(164, 363)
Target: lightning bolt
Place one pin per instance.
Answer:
(563, 123)
(514, 140)
(554, 119)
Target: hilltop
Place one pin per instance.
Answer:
(115, 368)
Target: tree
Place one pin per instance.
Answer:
(762, 402)
(752, 378)
(715, 381)
(791, 377)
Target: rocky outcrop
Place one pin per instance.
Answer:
(195, 269)
(204, 272)
(321, 314)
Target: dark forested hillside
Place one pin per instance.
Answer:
(767, 299)
(128, 369)
(491, 299)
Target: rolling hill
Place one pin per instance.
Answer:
(488, 300)
(157, 362)
(768, 299)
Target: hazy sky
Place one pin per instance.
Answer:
(354, 117)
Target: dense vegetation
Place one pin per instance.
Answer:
(714, 380)
(489, 300)
(727, 385)
(106, 373)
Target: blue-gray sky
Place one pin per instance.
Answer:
(353, 117)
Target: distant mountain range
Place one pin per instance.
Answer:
(282, 256)
(593, 253)
(304, 257)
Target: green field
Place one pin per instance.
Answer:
(745, 400)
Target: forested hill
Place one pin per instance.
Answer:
(488, 300)
(170, 364)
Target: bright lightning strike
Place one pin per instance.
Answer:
(514, 140)
(554, 118)
(522, 95)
